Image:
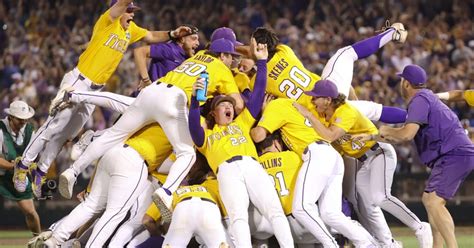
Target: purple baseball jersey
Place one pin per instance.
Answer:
(164, 58)
(440, 130)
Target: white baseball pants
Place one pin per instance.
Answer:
(245, 180)
(112, 101)
(320, 180)
(195, 217)
(340, 69)
(160, 103)
(374, 183)
(51, 136)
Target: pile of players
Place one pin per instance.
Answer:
(266, 155)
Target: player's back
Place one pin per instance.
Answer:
(220, 77)
(283, 168)
(287, 77)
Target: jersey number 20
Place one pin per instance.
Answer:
(296, 84)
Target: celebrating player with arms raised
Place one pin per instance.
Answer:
(231, 154)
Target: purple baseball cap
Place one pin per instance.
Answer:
(223, 46)
(323, 88)
(225, 33)
(131, 6)
(414, 74)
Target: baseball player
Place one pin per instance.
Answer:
(442, 145)
(15, 134)
(288, 78)
(195, 212)
(170, 112)
(227, 145)
(319, 179)
(458, 95)
(336, 120)
(112, 34)
(165, 56)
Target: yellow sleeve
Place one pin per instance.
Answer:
(272, 119)
(136, 32)
(104, 21)
(469, 97)
(153, 212)
(344, 118)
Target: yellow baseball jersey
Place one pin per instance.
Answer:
(106, 48)
(224, 142)
(212, 187)
(297, 132)
(241, 79)
(348, 118)
(152, 144)
(221, 80)
(287, 77)
(283, 168)
(469, 97)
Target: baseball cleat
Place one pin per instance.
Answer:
(81, 145)
(61, 101)
(400, 34)
(38, 178)
(163, 200)
(51, 243)
(66, 183)
(424, 235)
(20, 178)
(38, 241)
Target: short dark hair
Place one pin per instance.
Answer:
(268, 141)
(267, 36)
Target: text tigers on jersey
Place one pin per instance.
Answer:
(116, 43)
(229, 130)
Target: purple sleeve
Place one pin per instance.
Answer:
(393, 115)
(418, 110)
(255, 102)
(161, 51)
(197, 132)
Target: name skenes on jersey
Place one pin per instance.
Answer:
(352, 122)
(106, 48)
(224, 142)
(287, 77)
(283, 168)
(221, 79)
(297, 132)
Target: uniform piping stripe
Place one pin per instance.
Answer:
(136, 186)
(302, 195)
(332, 67)
(385, 187)
(182, 172)
(107, 97)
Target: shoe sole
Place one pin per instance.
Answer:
(17, 184)
(165, 212)
(63, 187)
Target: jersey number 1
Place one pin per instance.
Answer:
(281, 182)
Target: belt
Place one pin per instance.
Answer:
(237, 158)
(373, 150)
(202, 199)
(146, 163)
(92, 85)
(167, 85)
(319, 142)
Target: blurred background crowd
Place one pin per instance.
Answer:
(41, 40)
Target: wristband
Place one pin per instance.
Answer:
(170, 34)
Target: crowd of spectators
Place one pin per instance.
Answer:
(41, 40)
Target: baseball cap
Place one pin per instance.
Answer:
(414, 74)
(20, 110)
(225, 33)
(131, 6)
(221, 98)
(323, 88)
(223, 46)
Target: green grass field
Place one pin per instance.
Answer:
(465, 236)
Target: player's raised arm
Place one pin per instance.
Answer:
(194, 124)
(260, 52)
(118, 8)
(162, 36)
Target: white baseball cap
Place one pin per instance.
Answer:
(20, 110)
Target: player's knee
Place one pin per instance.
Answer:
(431, 200)
(331, 217)
(378, 199)
(302, 210)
